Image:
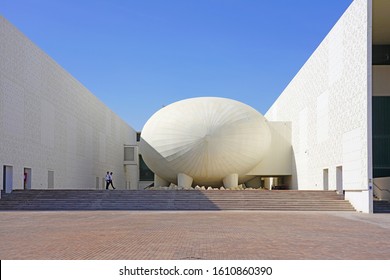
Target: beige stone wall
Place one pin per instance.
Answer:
(51, 122)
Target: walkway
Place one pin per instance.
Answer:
(193, 235)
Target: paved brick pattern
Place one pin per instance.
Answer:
(193, 235)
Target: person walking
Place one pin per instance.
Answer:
(110, 181)
(107, 179)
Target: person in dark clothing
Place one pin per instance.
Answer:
(110, 181)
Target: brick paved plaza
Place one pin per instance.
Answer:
(193, 235)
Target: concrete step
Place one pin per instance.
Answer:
(381, 206)
(173, 194)
(276, 200)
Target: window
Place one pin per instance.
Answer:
(129, 154)
(381, 54)
(145, 174)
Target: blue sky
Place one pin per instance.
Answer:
(139, 55)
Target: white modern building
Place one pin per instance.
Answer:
(213, 141)
(329, 126)
(338, 105)
(54, 133)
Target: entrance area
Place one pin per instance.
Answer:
(326, 179)
(7, 178)
(27, 179)
(339, 179)
(50, 179)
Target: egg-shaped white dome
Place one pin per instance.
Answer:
(206, 138)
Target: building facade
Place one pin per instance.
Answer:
(339, 138)
(54, 133)
(331, 121)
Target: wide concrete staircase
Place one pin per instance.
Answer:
(275, 200)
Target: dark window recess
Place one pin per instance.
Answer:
(381, 55)
(145, 174)
(138, 136)
(381, 136)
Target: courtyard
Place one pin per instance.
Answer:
(198, 235)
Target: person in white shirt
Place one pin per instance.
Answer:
(112, 185)
(108, 179)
